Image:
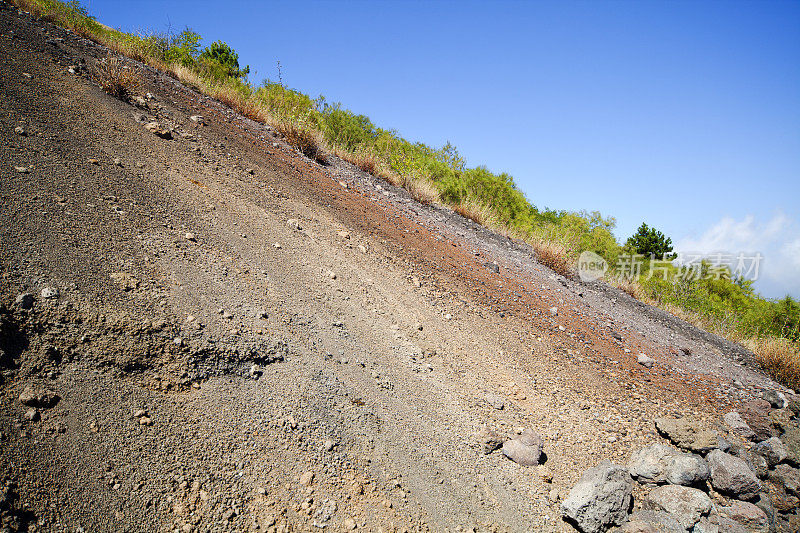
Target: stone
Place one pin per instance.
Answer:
(738, 426)
(525, 450)
(776, 399)
(651, 522)
(758, 464)
(37, 397)
(190, 236)
(49, 293)
(294, 224)
(24, 300)
(686, 469)
(489, 440)
(781, 419)
(22, 170)
(645, 361)
(328, 445)
(554, 311)
(600, 499)
(756, 414)
(117, 162)
(199, 119)
(787, 477)
(763, 502)
(126, 281)
(307, 478)
(749, 515)
(493, 266)
(731, 475)
(495, 401)
(647, 465)
(780, 497)
(685, 504)
(256, 371)
(349, 524)
(32, 415)
(773, 450)
(19, 130)
(791, 439)
(687, 434)
(157, 129)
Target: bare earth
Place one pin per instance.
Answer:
(307, 346)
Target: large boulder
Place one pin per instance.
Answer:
(737, 424)
(688, 434)
(791, 439)
(647, 465)
(600, 499)
(773, 450)
(651, 522)
(756, 414)
(731, 475)
(686, 469)
(686, 504)
(788, 478)
(749, 515)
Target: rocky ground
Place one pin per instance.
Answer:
(203, 330)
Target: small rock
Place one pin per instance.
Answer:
(190, 237)
(554, 311)
(139, 413)
(307, 478)
(686, 504)
(19, 130)
(645, 361)
(788, 477)
(686, 469)
(198, 119)
(146, 421)
(776, 399)
(600, 499)
(24, 300)
(157, 129)
(277, 245)
(294, 224)
(49, 293)
(93, 161)
(647, 465)
(756, 414)
(489, 440)
(22, 170)
(36, 397)
(495, 401)
(256, 371)
(349, 524)
(32, 415)
(731, 475)
(493, 266)
(117, 162)
(525, 450)
(328, 445)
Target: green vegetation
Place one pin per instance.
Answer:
(712, 299)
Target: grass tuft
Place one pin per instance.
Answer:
(113, 76)
(780, 357)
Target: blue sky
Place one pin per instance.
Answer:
(685, 115)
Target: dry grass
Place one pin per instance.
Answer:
(554, 256)
(310, 142)
(780, 358)
(113, 76)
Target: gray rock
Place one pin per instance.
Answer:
(648, 464)
(600, 499)
(686, 504)
(686, 469)
(525, 450)
(688, 434)
(773, 450)
(791, 439)
(756, 414)
(24, 300)
(787, 477)
(50, 292)
(731, 475)
(489, 440)
(645, 361)
(737, 424)
(32, 415)
(776, 399)
(651, 522)
(22, 170)
(19, 130)
(495, 401)
(749, 515)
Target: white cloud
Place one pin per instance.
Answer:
(777, 239)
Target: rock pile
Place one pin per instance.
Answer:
(743, 477)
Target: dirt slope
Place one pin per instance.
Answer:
(270, 319)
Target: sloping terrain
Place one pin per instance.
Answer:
(240, 338)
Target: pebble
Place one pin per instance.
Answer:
(32, 415)
(307, 478)
(118, 162)
(645, 361)
(49, 292)
(19, 130)
(328, 445)
(190, 237)
(22, 170)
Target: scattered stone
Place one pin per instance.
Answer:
(19, 130)
(277, 246)
(756, 414)
(146, 421)
(749, 515)
(256, 371)
(776, 399)
(22, 170)
(24, 300)
(199, 119)
(647, 465)
(731, 475)
(737, 424)
(495, 401)
(651, 522)
(307, 478)
(345, 235)
(49, 293)
(773, 450)
(157, 129)
(117, 162)
(554, 311)
(37, 397)
(600, 499)
(349, 524)
(328, 445)
(525, 450)
(687, 434)
(493, 266)
(294, 224)
(190, 236)
(781, 419)
(331, 274)
(791, 439)
(93, 161)
(645, 361)
(490, 440)
(32, 415)
(686, 504)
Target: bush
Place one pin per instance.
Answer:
(651, 242)
(113, 76)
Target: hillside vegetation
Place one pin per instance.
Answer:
(721, 303)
